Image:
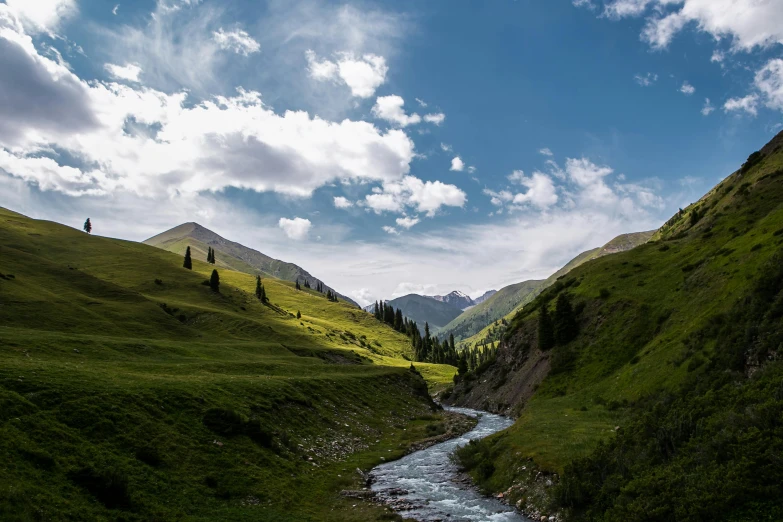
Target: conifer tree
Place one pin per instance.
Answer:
(462, 366)
(297, 285)
(259, 288)
(546, 330)
(214, 281)
(88, 226)
(188, 263)
(398, 321)
(566, 327)
(298, 314)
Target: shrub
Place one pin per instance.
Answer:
(604, 293)
(109, 486)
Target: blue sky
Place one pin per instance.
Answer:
(387, 147)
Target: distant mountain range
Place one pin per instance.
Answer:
(456, 299)
(232, 255)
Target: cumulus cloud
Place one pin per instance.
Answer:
(747, 104)
(687, 89)
(646, 80)
(769, 82)
(747, 23)
(41, 15)
(341, 202)
(407, 222)
(435, 118)
(411, 192)
(389, 108)
(708, 108)
(362, 74)
(457, 164)
(237, 41)
(541, 191)
(296, 228)
(129, 72)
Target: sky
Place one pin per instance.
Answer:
(387, 147)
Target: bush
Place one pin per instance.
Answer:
(109, 486)
(604, 293)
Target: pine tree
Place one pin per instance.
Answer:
(398, 321)
(188, 263)
(213, 256)
(546, 330)
(297, 285)
(298, 314)
(259, 287)
(88, 226)
(462, 366)
(209, 254)
(566, 327)
(214, 281)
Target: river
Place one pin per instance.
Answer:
(423, 485)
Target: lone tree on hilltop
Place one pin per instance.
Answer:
(546, 330)
(260, 290)
(214, 281)
(188, 263)
(566, 327)
(88, 226)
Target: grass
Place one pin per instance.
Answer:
(130, 391)
(641, 312)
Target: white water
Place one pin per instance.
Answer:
(428, 480)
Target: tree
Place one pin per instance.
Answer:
(214, 281)
(546, 330)
(88, 226)
(298, 314)
(188, 263)
(209, 254)
(260, 291)
(297, 285)
(566, 327)
(462, 366)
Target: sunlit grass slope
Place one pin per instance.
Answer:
(131, 391)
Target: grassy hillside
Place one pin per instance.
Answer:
(131, 391)
(653, 411)
(423, 309)
(474, 325)
(230, 254)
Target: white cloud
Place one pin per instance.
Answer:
(646, 80)
(341, 202)
(541, 191)
(717, 57)
(413, 288)
(407, 222)
(42, 15)
(545, 152)
(115, 9)
(748, 104)
(363, 296)
(445, 147)
(708, 108)
(747, 23)
(391, 230)
(296, 228)
(427, 197)
(457, 164)
(129, 71)
(769, 81)
(687, 89)
(363, 75)
(421, 103)
(500, 198)
(435, 118)
(389, 108)
(583, 172)
(237, 41)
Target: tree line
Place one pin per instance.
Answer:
(214, 278)
(319, 287)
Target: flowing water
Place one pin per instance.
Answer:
(424, 485)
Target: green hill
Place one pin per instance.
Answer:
(231, 254)
(667, 404)
(123, 378)
(424, 309)
(473, 326)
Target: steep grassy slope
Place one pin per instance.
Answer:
(423, 309)
(666, 327)
(473, 326)
(131, 391)
(230, 254)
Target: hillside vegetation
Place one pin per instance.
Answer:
(124, 379)
(667, 402)
(473, 327)
(424, 309)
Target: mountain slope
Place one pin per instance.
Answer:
(675, 356)
(456, 299)
(486, 295)
(124, 378)
(471, 326)
(423, 309)
(231, 254)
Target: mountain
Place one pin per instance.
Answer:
(510, 298)
(230, 254)
(456, 299)
(659, 395)
(123, 378)
(486, 295)
(423, 309)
